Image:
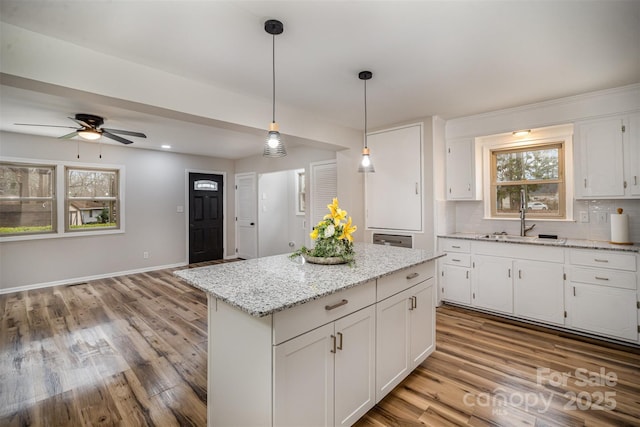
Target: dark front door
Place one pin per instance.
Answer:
(205, 217)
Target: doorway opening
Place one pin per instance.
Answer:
(206, 217)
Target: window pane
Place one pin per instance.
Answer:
(541, 199)
(527, 165)
(92, 214)
(91, 183)
(26, 181)
(26, 216)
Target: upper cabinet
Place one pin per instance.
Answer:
(464, 179)
(394, 190)
(607, 157)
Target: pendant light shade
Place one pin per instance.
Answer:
(365, 163)
(273, 146)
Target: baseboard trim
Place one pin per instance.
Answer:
(88, 278)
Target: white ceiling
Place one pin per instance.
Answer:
(446, 58)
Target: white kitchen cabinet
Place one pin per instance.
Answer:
(455, 271)
(405, 334)
(601, 293)
(326, 377)
(492, 284)
(393, 194)
(463, 170)
(538, 291)
(606, 157)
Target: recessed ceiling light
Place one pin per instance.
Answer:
(165, 146)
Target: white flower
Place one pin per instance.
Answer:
(329, 231)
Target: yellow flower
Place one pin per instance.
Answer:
(347, 230)
(336, 214)
(314, 234)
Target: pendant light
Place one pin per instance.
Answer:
(365, 162)
(273, 146)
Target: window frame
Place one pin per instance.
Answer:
(562, 202)
(60, 192)
(68, 200)
(52, 198)
(541, 136)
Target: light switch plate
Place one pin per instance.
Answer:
(584, 216)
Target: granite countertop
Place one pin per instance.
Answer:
(533, 240)
(263, 286)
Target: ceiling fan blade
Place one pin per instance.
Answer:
(115, 137)
(69, 135)
(125, 132)
(49, 126)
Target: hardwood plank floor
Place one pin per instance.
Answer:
(132, 351)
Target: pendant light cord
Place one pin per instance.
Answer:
(365, 114)
(273, 62)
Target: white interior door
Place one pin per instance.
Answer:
(246, 216)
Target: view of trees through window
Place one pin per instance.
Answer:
(27, 203)
(92, 198)
(536, 169)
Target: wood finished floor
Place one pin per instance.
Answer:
(131, 351)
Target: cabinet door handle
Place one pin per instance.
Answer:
(509, 273)
(417, 188)
(585, 183)
(333, 344)
(467, 274)
(410, 303)
(635, 179)
(415, 302)
(600, 260)
(601, 278)
(339, 347)
(519, 274)
(336, 305)
(574, 291)
(412, 276)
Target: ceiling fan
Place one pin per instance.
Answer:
(90, 128)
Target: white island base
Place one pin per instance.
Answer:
(325, 361)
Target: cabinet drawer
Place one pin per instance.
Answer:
(452, 258)
(455, 245)
(604, 259)
(603, 277)
(401, 280)
(305, 317)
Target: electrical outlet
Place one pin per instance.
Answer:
(584, 216)
(145, 255)
(601, 217)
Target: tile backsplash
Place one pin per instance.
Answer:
(469, 217)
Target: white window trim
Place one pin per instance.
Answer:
(59, 197)
(560, 133)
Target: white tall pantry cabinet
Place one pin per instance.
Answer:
(394, 191)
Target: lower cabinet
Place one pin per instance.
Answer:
(493, 283)
(538, 291)
(404, 334)
(456, 284)
(326, 377)
(604, 310)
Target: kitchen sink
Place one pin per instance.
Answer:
(514, 238)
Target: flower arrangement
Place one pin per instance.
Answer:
(332, 236)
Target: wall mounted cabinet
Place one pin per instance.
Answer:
(463, 170)
(607, 155)
(394, 192)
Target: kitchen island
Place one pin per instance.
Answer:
(294, 343)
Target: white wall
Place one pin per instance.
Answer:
(469, 214)
(154, 187)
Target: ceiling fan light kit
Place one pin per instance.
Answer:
(273, 146)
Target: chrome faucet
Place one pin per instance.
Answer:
(523, 208)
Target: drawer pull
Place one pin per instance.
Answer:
(455, 247)
(336, 305)
(413, 275)
(602, 278)
(455, 260)
(600, 260)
